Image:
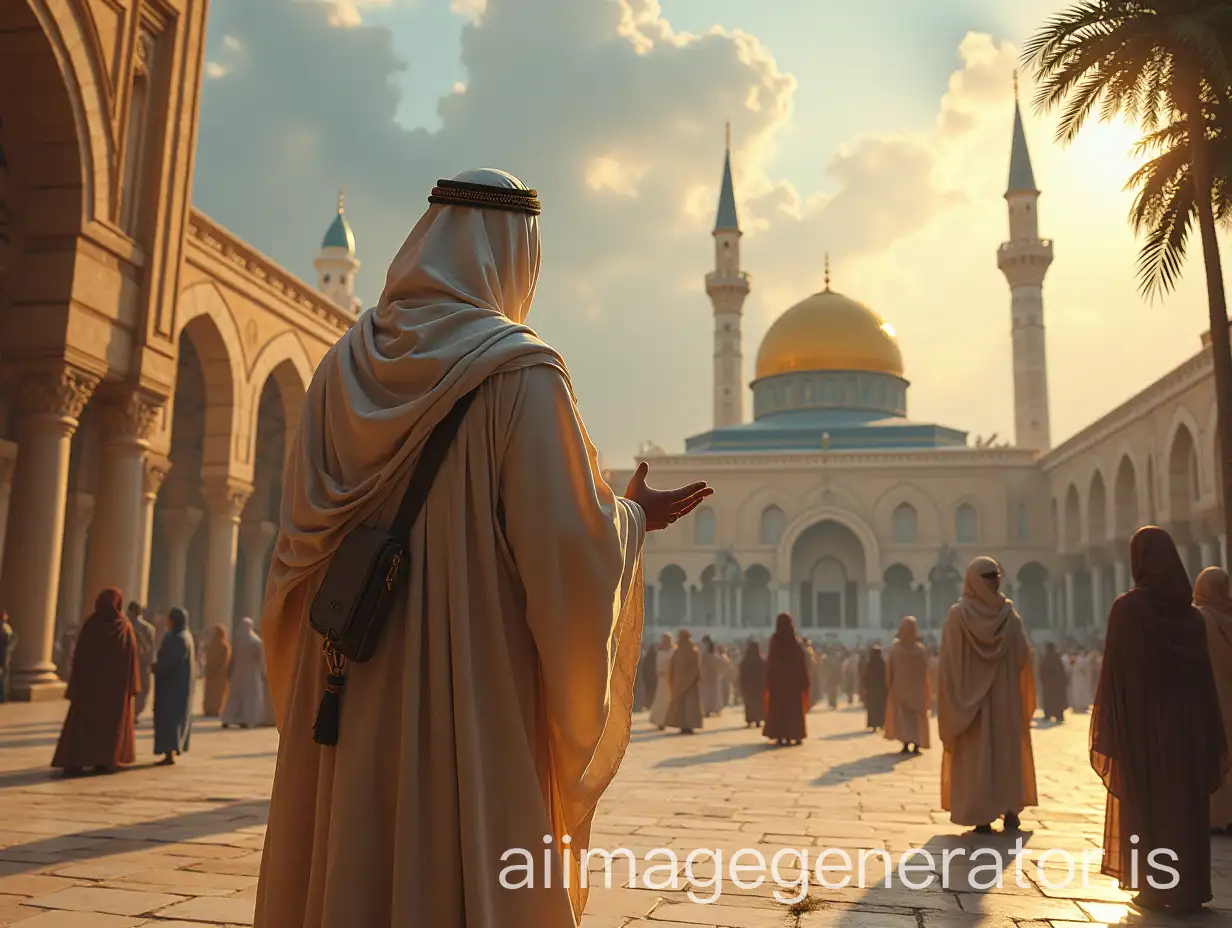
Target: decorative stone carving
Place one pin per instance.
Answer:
(133, 417)
(143, 54)
(62, 392)
(227, 497)
(153, 472)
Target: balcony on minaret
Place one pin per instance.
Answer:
(737, 283)
(1025, 261)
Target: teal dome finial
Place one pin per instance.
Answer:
(339, 234)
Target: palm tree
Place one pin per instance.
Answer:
(1164, 64)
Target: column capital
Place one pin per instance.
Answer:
(131, 416)
(180, 524)
(154, 470)
(62, 392)
(226, 496)
(259, 534)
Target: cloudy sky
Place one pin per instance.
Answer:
(878, 132)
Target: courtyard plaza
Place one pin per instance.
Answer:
(181, 846)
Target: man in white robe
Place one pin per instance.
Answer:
(497, 706)
(246, 695)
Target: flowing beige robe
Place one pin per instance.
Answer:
(908, 692)
(986, 702)
(1212, 597)
(498, 703)
(684, 679)
(663, 689)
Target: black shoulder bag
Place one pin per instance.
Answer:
(365, 576)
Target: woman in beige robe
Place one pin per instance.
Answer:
(217, 673)
(498, 703)
(663, 691)
(684, 681)
(909, 694)
(987, 699)
(1214, 600)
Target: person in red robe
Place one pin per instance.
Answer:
(1157, 738)
(99, 729)
(787, 685)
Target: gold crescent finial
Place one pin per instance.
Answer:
(827, 272)
(728, 135)
(341, 199)
(1015, 85)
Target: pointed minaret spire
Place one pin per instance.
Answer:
(827, 272)
(341, 200)
(1022, 177)
(726, 218)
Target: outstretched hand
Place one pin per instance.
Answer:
(663, 507)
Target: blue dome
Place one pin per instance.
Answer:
(339, 234)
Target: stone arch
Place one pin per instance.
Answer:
(1097, 509)
(1184, 473)
(858, 527)
(752, 505)
(1125, 509)
(285, 361)
(1071, 521)
(904, 524)
(205, 318)
(1032, 594)
(78, 53)
(758, 604)
(672, 595)
(704, 527)
(772, 525)
(899, 597)
(966, 523)
(927, 510)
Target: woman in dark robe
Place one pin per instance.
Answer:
(1053, 681)
(787, 685)
(99, 729)
(174, 671)
(1157, 738)
(753, 685)
(875, 689)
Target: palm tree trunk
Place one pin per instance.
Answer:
(1221, 345)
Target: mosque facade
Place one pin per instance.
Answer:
(833, 504)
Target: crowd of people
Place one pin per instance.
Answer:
(119, 660)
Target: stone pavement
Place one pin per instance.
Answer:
(180, 847)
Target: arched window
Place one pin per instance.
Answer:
(964, 524)
(904, 524)
(703, 526)
(771, 525)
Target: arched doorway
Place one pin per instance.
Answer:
(1125, 501)
(899, 597)
(673, 597)
(758, 604)
(827, 576)
(1032, 599)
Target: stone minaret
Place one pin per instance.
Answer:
(336, 264)
(727, 286)
(1024, 261)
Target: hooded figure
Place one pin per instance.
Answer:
(644, 688)
(1053, 680)
(246, 678)
(987, 700)
(787, 685)
(908, 689)
(217, 668)
(753, 684)
(1214, 600)
(99, 729)
(174, 673)
(874, 688)
(1157, 736)
(684, 681)
(497, 705)
(663, 690)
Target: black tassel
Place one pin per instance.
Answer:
(329, 715)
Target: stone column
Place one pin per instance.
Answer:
(179, 527)
(8, 461)
(1120, 577)
(154, 472)
(1099, 613)
(874, 606)
(116, 540)
(782, 603)
(255, 541)
(225, 500)
(739, 606)
(1071, 601)
(1209, 552)
(51, 403)
(77, 518)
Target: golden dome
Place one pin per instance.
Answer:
(829, 332)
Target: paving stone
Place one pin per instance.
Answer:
(80, 920)
(206, 909)
(108, 901)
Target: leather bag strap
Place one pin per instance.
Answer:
(435, 449)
